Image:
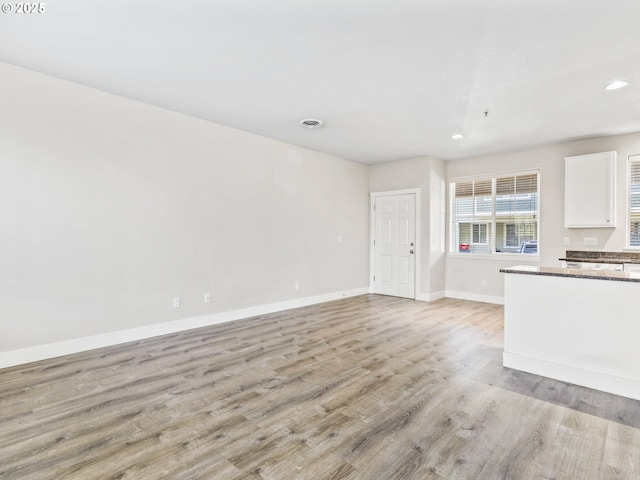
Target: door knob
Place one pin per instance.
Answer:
(410, 251)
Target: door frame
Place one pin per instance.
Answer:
(372, 235)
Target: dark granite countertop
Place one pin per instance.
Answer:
(574, 273)
(601, 257)
(600, 260)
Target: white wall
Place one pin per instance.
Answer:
(465, 274)
(428, 174)
(111, 207)
(437, 228)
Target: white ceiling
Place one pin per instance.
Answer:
(390, 79)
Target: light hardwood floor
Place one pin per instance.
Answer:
(371, 387)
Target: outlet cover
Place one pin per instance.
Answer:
(207, 298)
(590, 241)
(176, 302)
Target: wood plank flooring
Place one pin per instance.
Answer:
(371, 387)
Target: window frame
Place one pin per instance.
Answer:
(486, 232)
(492, 240)
(515, 235)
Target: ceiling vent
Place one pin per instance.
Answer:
(311, 123)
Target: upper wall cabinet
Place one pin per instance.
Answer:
(590, 190)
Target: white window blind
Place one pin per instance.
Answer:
(498, 214)
(473, 211)
(634, 201)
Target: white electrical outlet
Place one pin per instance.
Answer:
(296, 286)
(176, 302)
(339, 238)
(207, 297)
(590, 241)
(567, 240)
(484, 283)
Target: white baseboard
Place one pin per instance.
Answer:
(437, 295)
(605, 382)
(430, 297)
(475, 297)
(67, 347)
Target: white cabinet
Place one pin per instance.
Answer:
(590, 190)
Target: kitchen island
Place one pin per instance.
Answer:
(576, 325)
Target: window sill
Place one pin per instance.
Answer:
(520, 257)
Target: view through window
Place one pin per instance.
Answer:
(634, 201)
(497, 214)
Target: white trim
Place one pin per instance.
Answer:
(437, 295)
(67, 347)
(475, 297)
(422, 297)
(395, 192)
(567, 373)
(418, 249)
(372, 234)
(430, 297)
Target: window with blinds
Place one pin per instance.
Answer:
(498, 214)
(634, 201)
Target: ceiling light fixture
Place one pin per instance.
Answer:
(616, 85)
(311, 123)
(457, 136)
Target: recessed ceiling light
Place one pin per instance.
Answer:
(457, 136)
(616, 85)
(311, 123)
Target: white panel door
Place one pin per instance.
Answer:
(394, 245)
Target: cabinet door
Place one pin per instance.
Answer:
(590, 190)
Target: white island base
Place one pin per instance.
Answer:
(575, 327)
